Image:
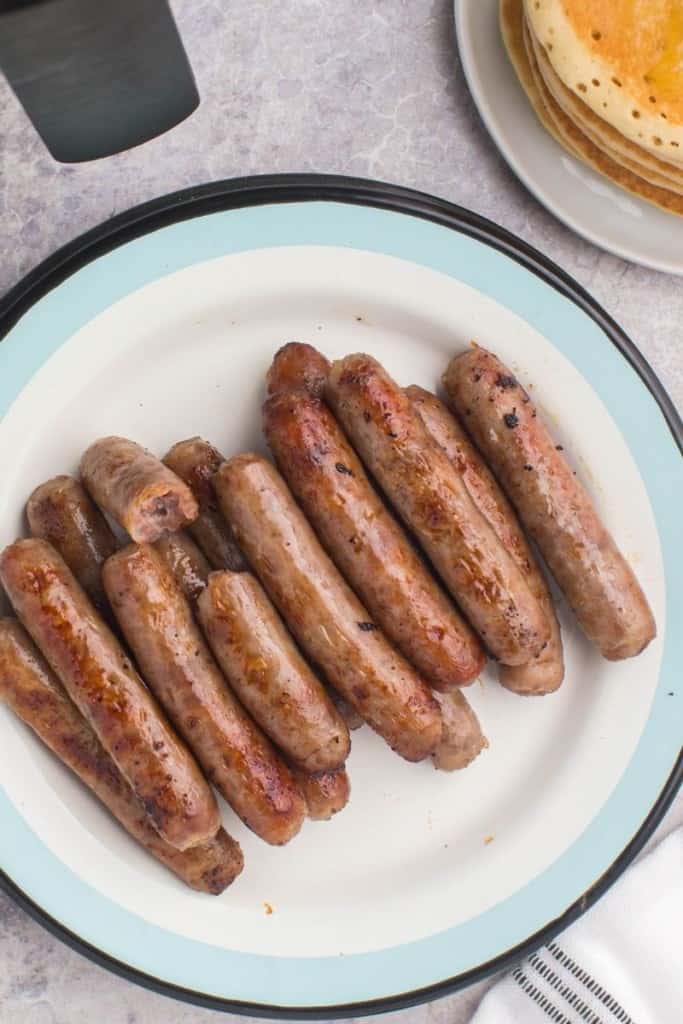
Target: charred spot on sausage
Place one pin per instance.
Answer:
(367, 627)
(341, 468)
(511, 419)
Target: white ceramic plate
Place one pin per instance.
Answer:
(426, 880)
(588, 203)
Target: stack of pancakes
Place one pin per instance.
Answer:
(605, 77)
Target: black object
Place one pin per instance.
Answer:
(298, 188)
(96, 76)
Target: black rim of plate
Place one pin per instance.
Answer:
(289, 188)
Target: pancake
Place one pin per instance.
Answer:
(608, 138)
(560, 125)
(615, 146)
(624, 59)
(511, 17)
(576, 141)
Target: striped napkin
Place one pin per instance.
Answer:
(622, 963)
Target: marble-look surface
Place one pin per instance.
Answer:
(372, 89)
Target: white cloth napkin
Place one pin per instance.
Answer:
(622, 963)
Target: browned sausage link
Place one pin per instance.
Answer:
(553, 506)
(323, 613)
(297, 365)
(158, 624)
(187, 563)
(461, 737)
(196, 461)
(61, 512)
(544, 673)
(325, 794)
(266, 671)
(33, 692)
(145, 497)
(103, 684)
(426, 491)
(365, 541)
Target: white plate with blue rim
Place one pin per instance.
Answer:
(584, 200)
(160, 324)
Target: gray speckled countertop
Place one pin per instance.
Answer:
(349, 87)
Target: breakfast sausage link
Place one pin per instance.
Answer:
(158, 624)
(325, 794)
(34, 694)
(61, 512)
(196, 461)
(365, 541)
(544, 673)
(136, 489)
(266, 671)
(99, 678)
(323, 613)
(298, 366)
(187, 563)
(461, 737)
(553, 506)
(429, 495)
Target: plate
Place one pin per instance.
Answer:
(160, 325)
(587, 203)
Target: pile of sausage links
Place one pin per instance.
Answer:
(256, 613)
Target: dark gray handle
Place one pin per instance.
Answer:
(96, 76)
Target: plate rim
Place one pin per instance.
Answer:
(232, 194)
(485, 111)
